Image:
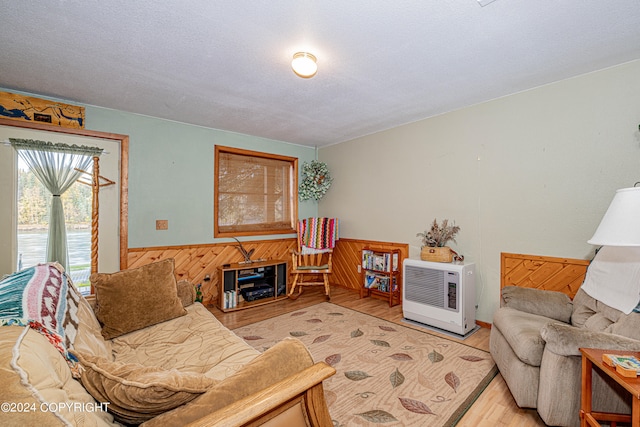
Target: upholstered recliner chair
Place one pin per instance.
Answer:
(535, 340)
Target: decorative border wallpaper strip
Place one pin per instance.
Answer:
(26, 108)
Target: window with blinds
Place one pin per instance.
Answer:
(255, 193)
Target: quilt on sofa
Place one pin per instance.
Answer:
(138, 375)
(43, 298)
(196, 343)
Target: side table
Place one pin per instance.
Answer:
(592, 358)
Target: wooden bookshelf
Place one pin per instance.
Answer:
(381, 274)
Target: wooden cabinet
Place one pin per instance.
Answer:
(381, 276)
(245, 285)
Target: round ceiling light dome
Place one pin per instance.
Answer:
(304, 65)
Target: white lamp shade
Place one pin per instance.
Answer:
(620, 225)
(304, 65)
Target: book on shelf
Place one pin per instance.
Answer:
(376, 281)
(230, 299)
(382, 261)
(249, 276)
(369, 280)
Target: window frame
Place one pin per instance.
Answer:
(121, 223)
(293, 192)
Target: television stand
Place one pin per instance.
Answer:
(251, 284)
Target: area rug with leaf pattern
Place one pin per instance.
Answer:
(386, 373)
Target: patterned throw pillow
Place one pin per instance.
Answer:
(44, 298)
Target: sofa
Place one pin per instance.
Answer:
(535, 340)
(141, 353)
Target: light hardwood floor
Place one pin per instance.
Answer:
(494, 408)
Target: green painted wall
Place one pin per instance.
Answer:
(171, 169)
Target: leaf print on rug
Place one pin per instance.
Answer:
(387, 374)
(396, 378)
(356, 375)
(415, 406)
(378, 416)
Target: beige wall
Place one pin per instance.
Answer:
(529, 173)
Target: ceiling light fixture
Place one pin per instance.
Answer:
(304, 65)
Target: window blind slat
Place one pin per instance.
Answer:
(255, 192)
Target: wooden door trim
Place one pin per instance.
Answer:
(124, 170)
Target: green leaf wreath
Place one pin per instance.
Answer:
(315, 182)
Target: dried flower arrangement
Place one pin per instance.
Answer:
(439, 235)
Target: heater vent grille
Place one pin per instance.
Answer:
(425, 286)
(441, 295)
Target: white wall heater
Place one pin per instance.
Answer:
(441, 295)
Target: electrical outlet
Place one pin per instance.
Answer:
(359, 268)
(162, 224)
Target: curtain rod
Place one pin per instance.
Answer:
(7, 142)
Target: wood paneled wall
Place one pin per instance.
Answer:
(347, 258)
(194, 262)
(550, 273)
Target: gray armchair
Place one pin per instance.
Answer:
(535, 341)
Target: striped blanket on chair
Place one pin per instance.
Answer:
(318, 233)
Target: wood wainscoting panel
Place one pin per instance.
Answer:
(347, 257)
(195, 262)
(541, 272)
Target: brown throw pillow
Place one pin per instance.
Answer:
(134, 299)
(186, 293)
(137, 393)
(285, 358)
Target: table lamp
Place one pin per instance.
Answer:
(620, 225)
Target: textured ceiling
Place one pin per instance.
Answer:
(226, 64)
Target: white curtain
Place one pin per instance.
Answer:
(55, 167)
